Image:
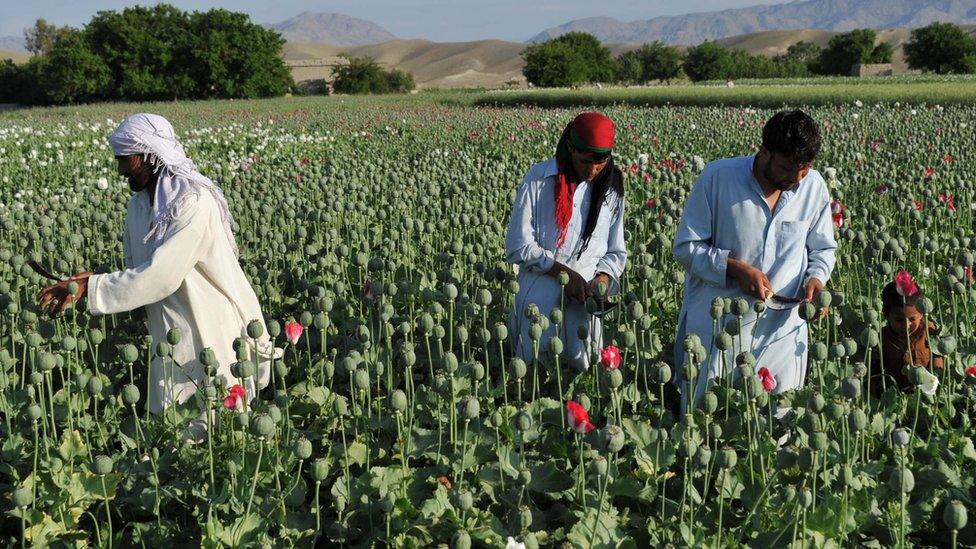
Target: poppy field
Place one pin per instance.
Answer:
(373, 235)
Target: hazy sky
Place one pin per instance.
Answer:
(439, 20)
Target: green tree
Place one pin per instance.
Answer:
(629, 68)
(803, 51)
(708, 61)
(72, 73)
(361, 75)
(943, 48)
(41, 38)
(653, 61)
(845, 50)
(146, 49)
(571, 59)
(231, 57)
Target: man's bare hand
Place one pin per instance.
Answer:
(811, 291)
(57, 297)
(752, 281)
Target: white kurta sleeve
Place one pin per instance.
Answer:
(187, 239)
(821, 244)
(615, 259)
(521, 246)
(693, 241)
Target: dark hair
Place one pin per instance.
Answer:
(609, 179)
(891, 299)
(793, 134)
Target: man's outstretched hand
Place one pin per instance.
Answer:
(57, 297)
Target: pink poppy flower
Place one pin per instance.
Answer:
(293, 331)
(768, 381)
(905, 284)
(610, 357)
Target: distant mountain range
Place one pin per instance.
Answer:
(12, 43)
(831, 15)
(331, 28)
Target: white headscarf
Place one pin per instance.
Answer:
(153, 137)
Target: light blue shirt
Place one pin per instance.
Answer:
(727, 213)
(530, 243)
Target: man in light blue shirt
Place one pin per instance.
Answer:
(753, 227)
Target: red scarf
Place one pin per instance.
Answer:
(589, 132)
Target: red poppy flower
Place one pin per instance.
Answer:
(971, 371)
(768, 381)
(905, 284)
(579, 419)
(235, 399)
(610, 357)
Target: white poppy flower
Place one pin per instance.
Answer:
(512, 544)
(928, 383)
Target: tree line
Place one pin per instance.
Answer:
(578, 58)
(147, 54)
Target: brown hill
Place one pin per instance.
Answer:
(15, 56)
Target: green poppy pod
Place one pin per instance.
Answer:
(130, 394)
(900, 437)
(262, 426)
(582, 332)
(95, 387)
(709, 402)
(954, 515)
(34, 412)
(102, 465)
(173, 336)
(518, 368)
(718, 308)
(163, 349)
(823, 299)
(129, 353)
(726, 458)
(525, 514)
(449, 362)
(46, 361)
(901, 481)
(723, 341)
(361, 379)
(302, 448)
(499, 332)
(555, 345)
(461, 540)
(320, 469)
(858, 420)
(556, 315)
(471, 408)
(662, 373)
(850, 388)
(398, 401)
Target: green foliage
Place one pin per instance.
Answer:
(155, 53)
(362, 75)
(73, 73)
(569, 60)
(708, 61)
(943, 48)
(845, 50)
(654, 61)
(42, 37)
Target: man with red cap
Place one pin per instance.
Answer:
(568, 222)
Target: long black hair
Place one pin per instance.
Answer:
(608, 180)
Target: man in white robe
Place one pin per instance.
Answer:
(752, 227)
(181, 262)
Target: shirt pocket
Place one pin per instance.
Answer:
(792, 233)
